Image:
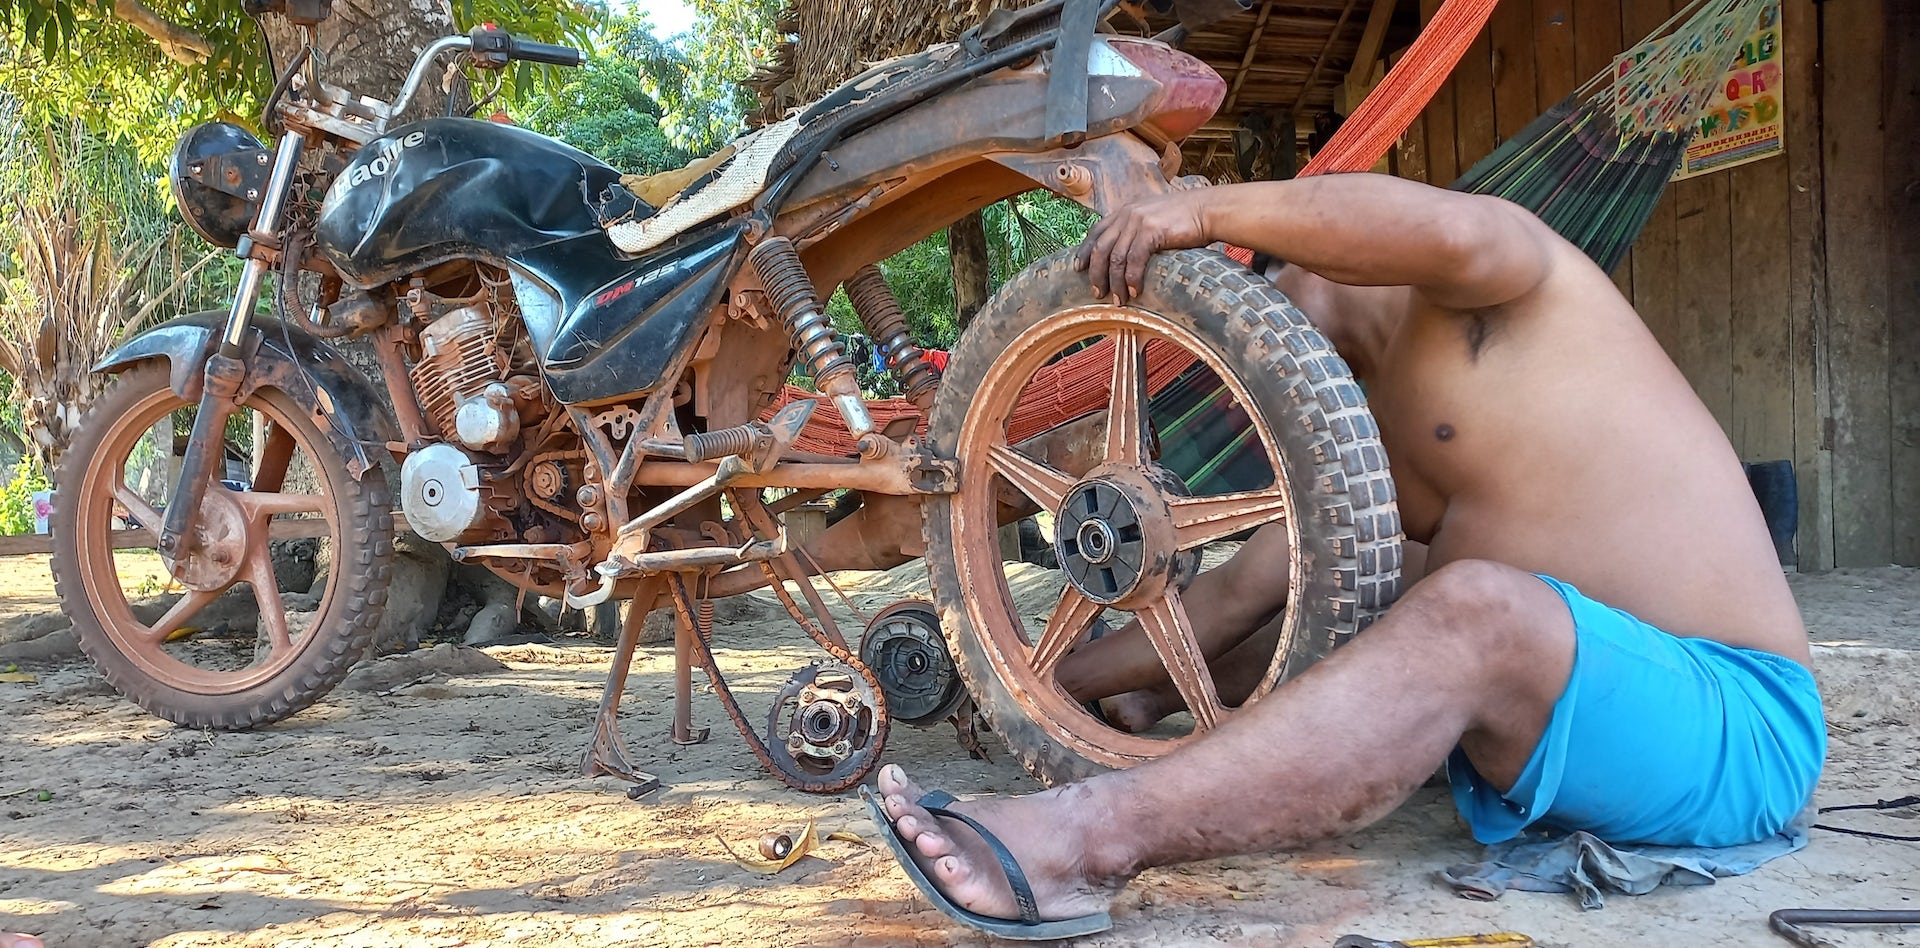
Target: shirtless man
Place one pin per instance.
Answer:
(1602, 638)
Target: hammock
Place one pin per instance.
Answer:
(1593, 167)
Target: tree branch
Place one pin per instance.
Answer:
(181, 45)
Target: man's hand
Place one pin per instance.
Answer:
(1116, 250)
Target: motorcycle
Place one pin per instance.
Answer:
(580, 389)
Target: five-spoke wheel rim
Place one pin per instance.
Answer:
(230, 546)
(1121, 525)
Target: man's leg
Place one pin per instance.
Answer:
(1224, 606)
(1243, 668)
(1475, 655)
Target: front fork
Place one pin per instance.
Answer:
(225, 372)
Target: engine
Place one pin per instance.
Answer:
(473, 397)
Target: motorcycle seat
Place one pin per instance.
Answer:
(702, 190)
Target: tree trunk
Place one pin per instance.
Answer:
(967, 250)
(368, 46)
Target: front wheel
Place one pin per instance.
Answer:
(207, 639)
(1205, 409)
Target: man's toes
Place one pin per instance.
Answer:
(893, 781)
(951, 873)
(928, 840)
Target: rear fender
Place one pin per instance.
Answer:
(332, 392)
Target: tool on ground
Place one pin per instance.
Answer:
(1510, 939)
(1787, 922)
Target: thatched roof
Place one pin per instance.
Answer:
(1282, 56)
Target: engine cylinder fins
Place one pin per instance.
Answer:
(906, 650)
(794, 297)
(825, 724)
(457, 364)
(874, 301)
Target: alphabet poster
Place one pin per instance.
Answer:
(1716, 76)
(1745, 121)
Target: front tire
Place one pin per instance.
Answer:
(1209, 344)
(170, 663)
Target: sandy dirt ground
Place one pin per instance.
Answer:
(448, 812)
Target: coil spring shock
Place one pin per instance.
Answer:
(874, 301)
(717, 444)
(798, 303)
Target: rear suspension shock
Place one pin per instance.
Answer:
(793, 296)
(873, 299)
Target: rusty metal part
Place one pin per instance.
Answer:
(547, 480)
(775, 846)
(686, 630)
(904, 647)
(966, 729)
(874, 301)
(830, 783)
(206, 452)
(388, 343)
(607, 754)
(694, 559)
(882, 534)
(785, 566)
(885, 476)
(1787, 922)
(823, 723)
(740, 439)
(1169, 522)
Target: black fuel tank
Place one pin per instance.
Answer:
(444, 188)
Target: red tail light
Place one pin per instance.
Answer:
(1190, 91)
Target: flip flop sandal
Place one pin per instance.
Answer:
(1028, 927)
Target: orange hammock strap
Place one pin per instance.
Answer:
(1389, 110)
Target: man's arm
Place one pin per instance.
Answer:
(1463, 251)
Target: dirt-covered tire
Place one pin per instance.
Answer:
(349, 609)
(1347, 534)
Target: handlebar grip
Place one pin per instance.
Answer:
(546, 53)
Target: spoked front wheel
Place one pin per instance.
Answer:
(1151, 434)
(206, 639)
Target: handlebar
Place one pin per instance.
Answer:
(490, 48)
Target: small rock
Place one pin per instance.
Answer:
(491, 625)
(295, 562)
(29, 627)
(54, 645)
(419, 582)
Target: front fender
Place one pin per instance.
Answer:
(334, 392)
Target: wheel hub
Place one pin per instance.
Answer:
(219, 544)
(908, 653)
(1114, 536)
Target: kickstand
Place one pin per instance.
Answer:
(607, 755)
(685, 627)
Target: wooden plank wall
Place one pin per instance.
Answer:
(1788, 289)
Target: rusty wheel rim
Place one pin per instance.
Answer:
(233, 537)
(1166, 521)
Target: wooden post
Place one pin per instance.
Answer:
(972, 270)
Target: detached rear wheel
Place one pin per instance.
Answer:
(206, 639)
(1206, 408)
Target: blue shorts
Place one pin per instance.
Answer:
(1660, 739)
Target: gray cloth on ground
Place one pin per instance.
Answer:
(1581, 863)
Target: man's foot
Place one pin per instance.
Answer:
(1041, 831)
(1136, 712)
(19, 941)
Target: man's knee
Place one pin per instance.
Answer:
(1496, 608)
